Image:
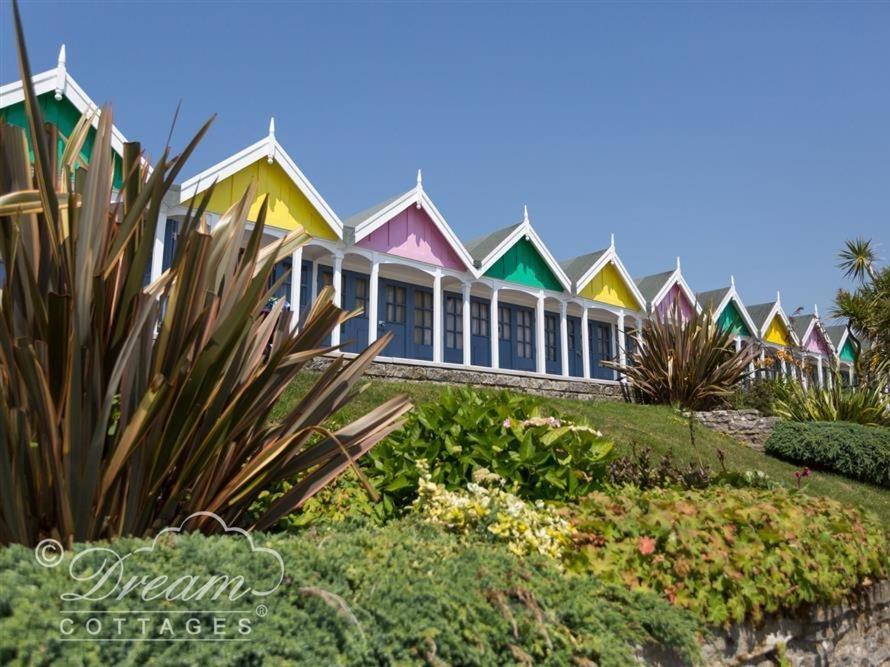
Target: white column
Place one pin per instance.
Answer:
(337, 284)
(852, 367)
(784, 367)
(622, 344)
(494, 329)
(738, 344)
(762, 371)
(585, 344)
(465, 313)
(373, 311)
(540, 358)
(437, 317)
(296, 275)
(157, 252)
(564, 338)
(819, 372)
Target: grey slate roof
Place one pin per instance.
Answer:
(650, 286)
(354, 221)
(759, 312)
(800, 324)
(480, 248)
(835, 333)
(576, 267)
(710, 299)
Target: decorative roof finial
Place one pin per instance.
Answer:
(778, 297)
(419, 188)
(612, 241)
(525, 214)
(270, 156)
(678, 262)
(61, 74)
(732, 281)
(816, 310)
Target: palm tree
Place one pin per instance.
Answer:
(858, 259)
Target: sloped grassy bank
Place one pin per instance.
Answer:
(407, 593)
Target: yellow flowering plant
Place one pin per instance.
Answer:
(485, 508)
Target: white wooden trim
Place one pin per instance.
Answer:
(611, 256)
(525, 229)
(414, 197)
(267, 148)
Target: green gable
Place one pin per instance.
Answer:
(731, 320)
(64, 116)
(523, 264)
(848, 353)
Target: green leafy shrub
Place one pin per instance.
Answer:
(540, 454)
(868, 404)
(759, 394)
(638, 469)
(406, 594)
(726, 553)
(855, 451)
(484, 508)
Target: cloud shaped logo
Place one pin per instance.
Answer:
(229, 530)
(108, 575)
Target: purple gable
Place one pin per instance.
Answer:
(678, 296)
(816, 342)
(412, 234)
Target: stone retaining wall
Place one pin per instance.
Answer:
(856, 632)
(748, 426)
(527, 383)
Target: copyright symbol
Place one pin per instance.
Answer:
(49, 553)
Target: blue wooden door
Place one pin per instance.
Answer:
(326, 279)
(355, 296)
(600, 350)
(524, 338)
(171, 239)
(576, 361)
(454, 328)
(420, 344)
(480, 332)
(305, 291)
(393, 317)
(552, 344)
(505, 336)
(283, 290)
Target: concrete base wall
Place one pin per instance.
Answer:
(529, 383)
(855, 632)
(748, 426)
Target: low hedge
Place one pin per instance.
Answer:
(404, 594)
(726, 553)
(855, 451)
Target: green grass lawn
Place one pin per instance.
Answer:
(661, 428)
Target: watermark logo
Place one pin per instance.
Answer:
(145, 595)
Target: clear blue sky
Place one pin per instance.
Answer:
(750, 138)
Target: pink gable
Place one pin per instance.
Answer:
(413, 234)
(816, 343)
(678, 296)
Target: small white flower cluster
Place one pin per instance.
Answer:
(486, 508)
(552, 422)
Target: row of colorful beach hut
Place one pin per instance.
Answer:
(500, 302)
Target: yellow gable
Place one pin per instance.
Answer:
(288, 206)
(777, 332)
(607, 286)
